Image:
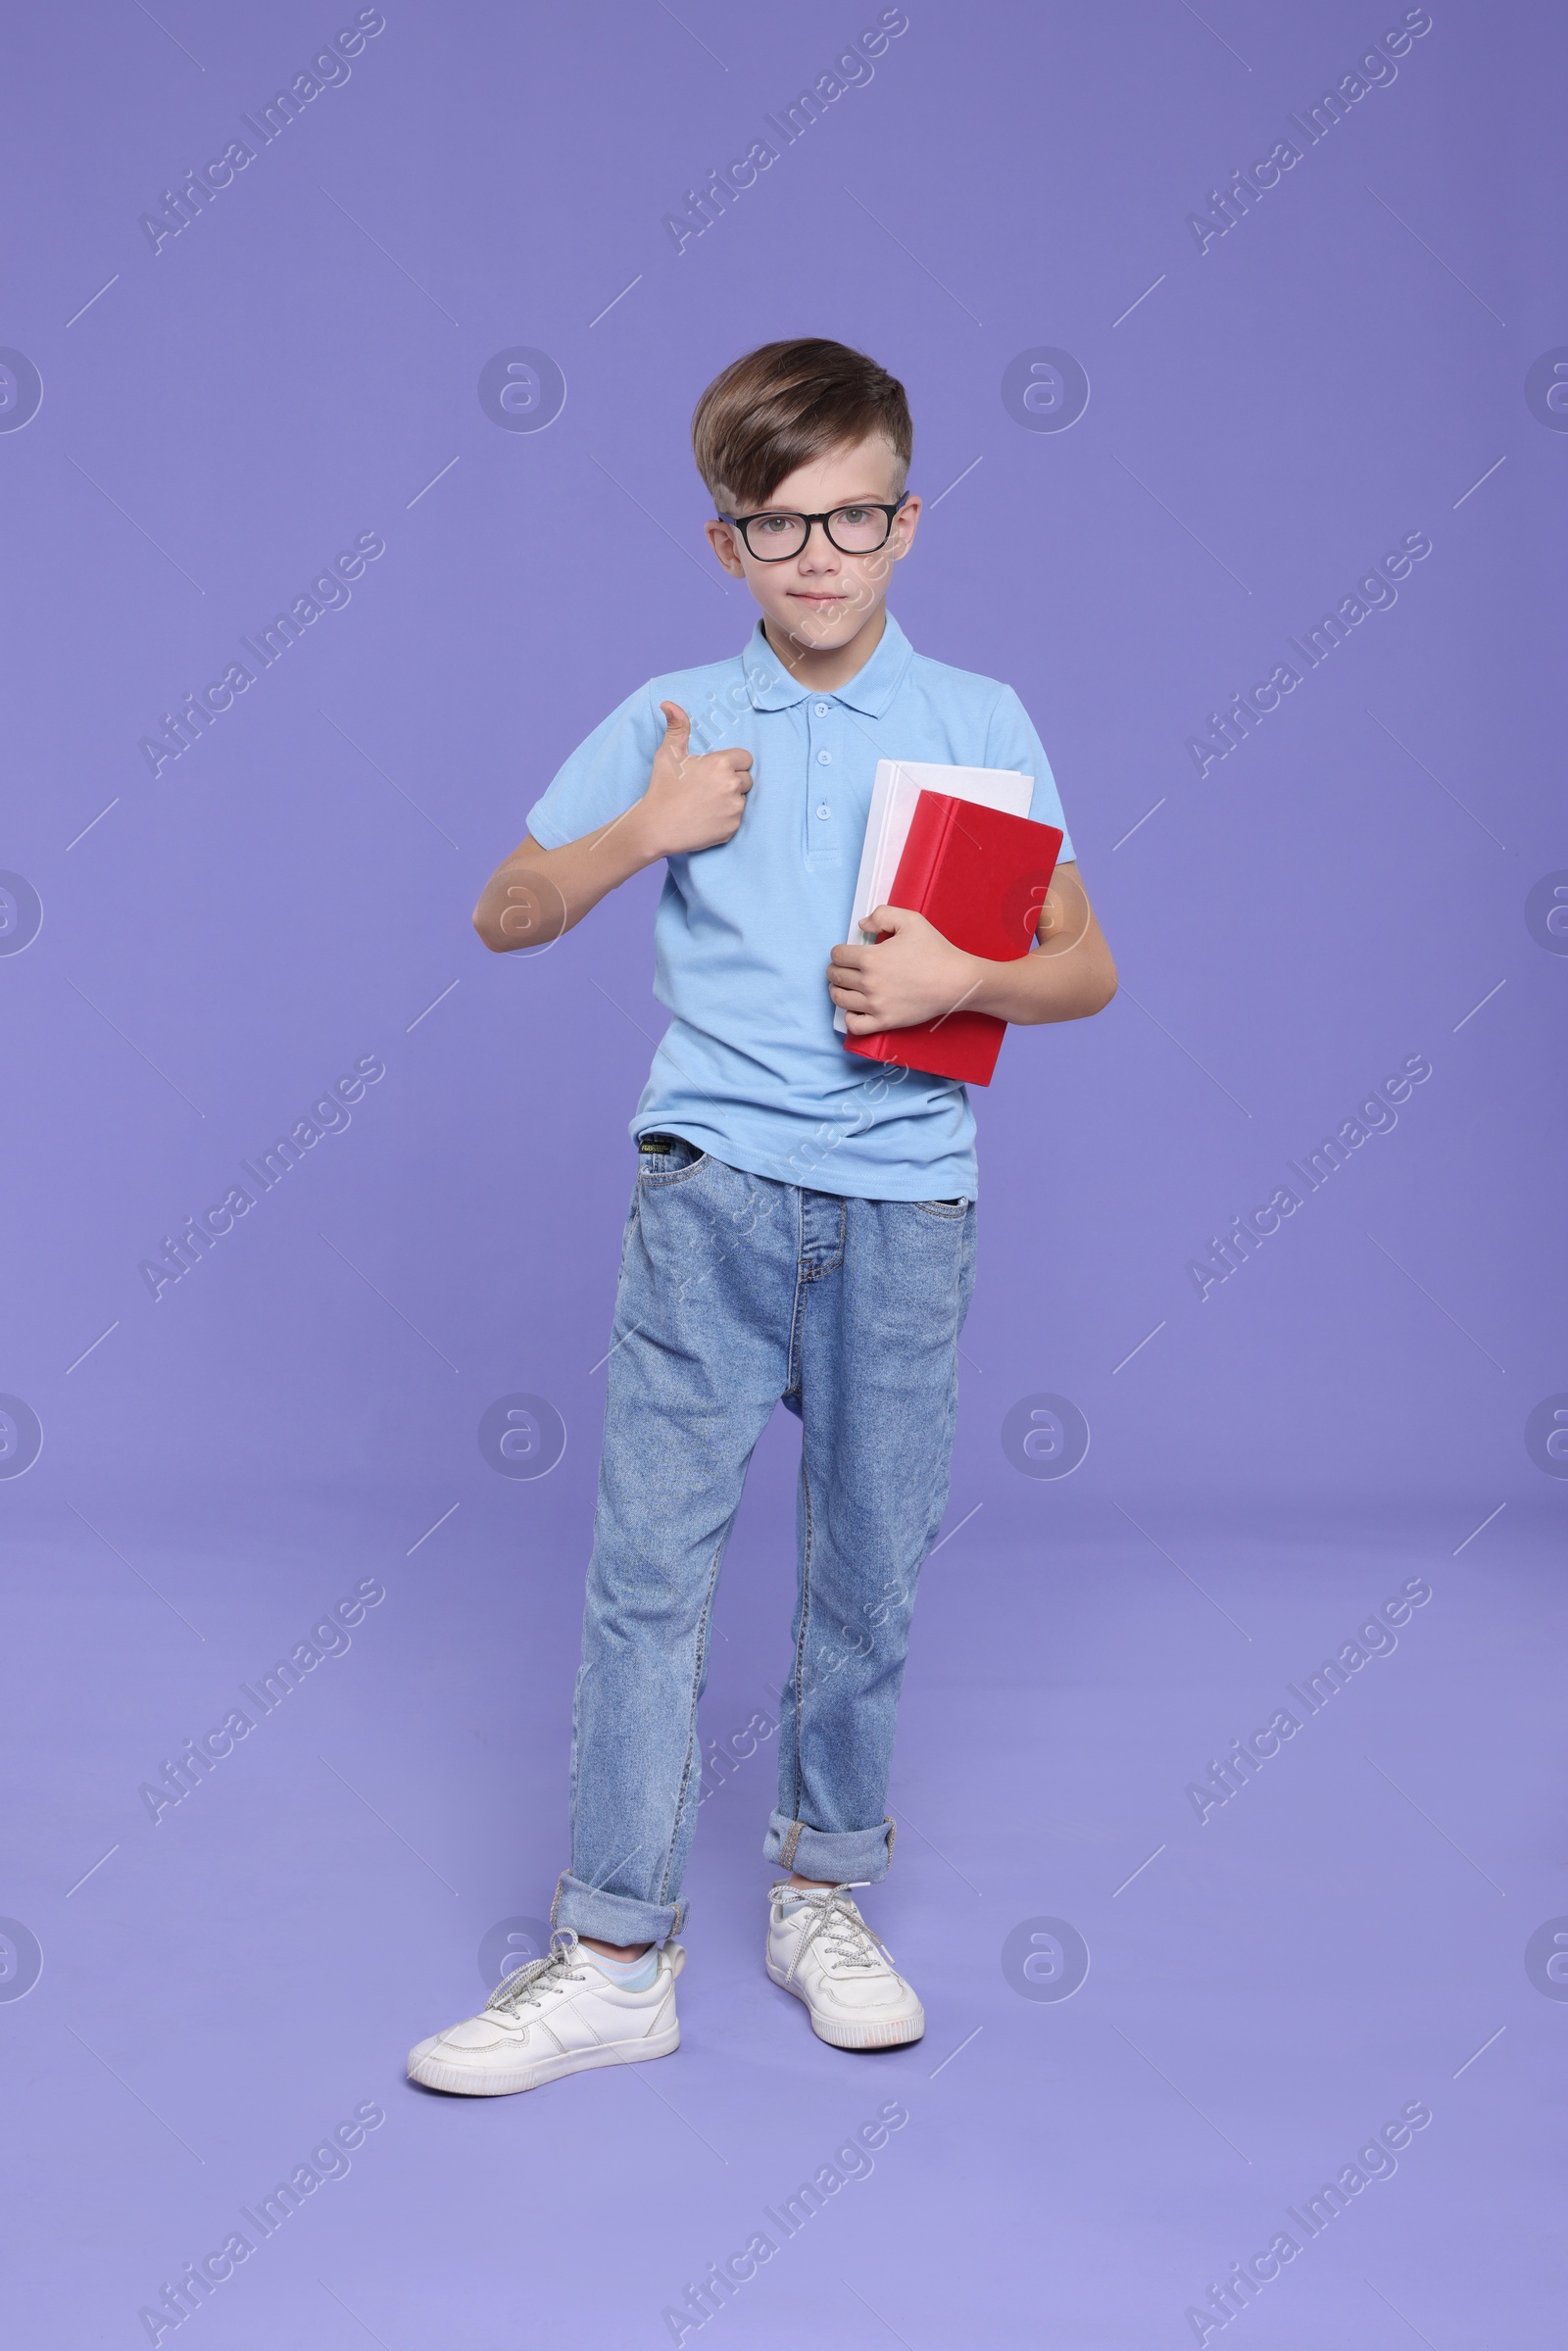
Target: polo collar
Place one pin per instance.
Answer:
(870, 691)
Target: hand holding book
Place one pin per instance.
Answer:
(911, 974)
(969, 888)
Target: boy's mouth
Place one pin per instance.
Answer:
(818, 595)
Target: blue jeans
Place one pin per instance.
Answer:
(737, 1292)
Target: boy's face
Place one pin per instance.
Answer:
(822, 599)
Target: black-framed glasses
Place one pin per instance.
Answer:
(859, 529)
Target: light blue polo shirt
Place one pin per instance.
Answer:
(750, 1067)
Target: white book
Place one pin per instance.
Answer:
(899, 785)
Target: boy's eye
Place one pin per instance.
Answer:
(852, 516)
(776, 527)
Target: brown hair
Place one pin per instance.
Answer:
(786, 403)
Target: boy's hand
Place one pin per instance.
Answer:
(693, 802)
(915, 975)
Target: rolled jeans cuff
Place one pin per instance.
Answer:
(862, 1856)
(613, 1917)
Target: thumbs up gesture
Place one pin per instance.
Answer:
(693, 802)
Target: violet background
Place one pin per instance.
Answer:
(300, 366)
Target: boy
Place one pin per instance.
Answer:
(802, 1227)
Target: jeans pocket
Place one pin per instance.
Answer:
(951, 1210)
(665, 1160)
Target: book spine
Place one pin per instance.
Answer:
(876, 834)
(929, 828)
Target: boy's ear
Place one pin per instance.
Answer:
(907, 516)
(723, 539)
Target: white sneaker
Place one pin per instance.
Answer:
(558, 2015)
(821, 1949)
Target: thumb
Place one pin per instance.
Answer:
(678, 729)
(887, 919)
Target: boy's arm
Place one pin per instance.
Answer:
(918, 975)
(690, 804)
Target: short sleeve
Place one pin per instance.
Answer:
(1012, 742)
(604, 775)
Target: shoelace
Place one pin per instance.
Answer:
(837, 1924)
(525, 1986)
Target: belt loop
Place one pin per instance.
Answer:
(792, 1839)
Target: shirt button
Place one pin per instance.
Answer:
(824, 758)
(823, 809)
(821, 709)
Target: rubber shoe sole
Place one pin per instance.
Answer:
(500, 2081)
(889, 2033)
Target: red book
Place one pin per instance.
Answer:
(980, 879)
